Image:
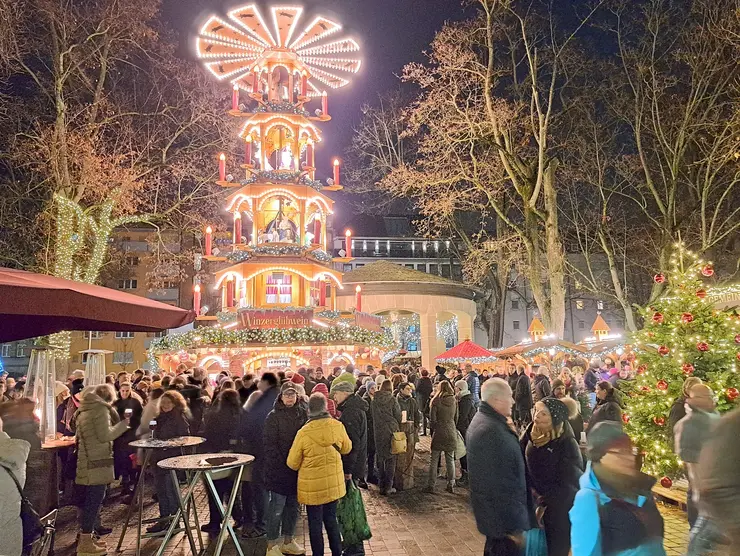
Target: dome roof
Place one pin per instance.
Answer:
(384, 271)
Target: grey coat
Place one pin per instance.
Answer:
(443, 416)
(386, 421)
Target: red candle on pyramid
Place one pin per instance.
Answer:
(237, 228)
(230, 284)
(235, 98)
(325, 103)
(358, 299)
(222, 167)
(348, 243)
(336, 171)
(196, 299)
(209, 241)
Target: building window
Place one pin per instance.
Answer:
(128, 284)
(581, 325)
(122, 357)
(445, 270)
(124, 335)
(515, 304)
(579, 304)
(95, 335)
(434, 269)
(20, 350)
(279, 289)
(5, 350)
(160, 334)
(600, 305)
(516, 325)
(132, 261)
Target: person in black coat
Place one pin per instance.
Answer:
(251, 428)
(424, 388)
(522, 398)
(371, 476)
(281, 427)
(498, 486)
(541, 384)
(127, 407)
(607, 405)
(554, 466)
(466, 411)
(221, 436)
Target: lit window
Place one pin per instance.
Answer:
(579, 304)
(124, 335)
(279, 289)
(516, 325)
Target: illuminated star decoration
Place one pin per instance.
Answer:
(236, 46)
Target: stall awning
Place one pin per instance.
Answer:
(466, 351)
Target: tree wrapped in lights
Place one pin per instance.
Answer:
(684, 335)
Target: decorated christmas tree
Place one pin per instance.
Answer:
(684, 335)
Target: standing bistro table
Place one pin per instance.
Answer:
(45, 473)
(205, 465)
(148, 445)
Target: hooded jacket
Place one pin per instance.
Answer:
(13, 455)
(603, 525)
(386, 421)
(316, 454)
(466, 411)
(354, 418)
(443, 416)
(281, 427)
(97, 427)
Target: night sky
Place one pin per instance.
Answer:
(390, 32)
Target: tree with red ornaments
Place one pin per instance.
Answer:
(683, 335)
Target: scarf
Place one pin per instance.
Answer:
(541, 438)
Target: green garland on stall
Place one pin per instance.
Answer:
(203, 337)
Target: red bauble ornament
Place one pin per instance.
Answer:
(737, 338)
(662, 385)
(687, 368)
(659, 278)
(732, 394)
(645, 388)
(701, 294)
(707, 270)
(625, 418)
(658, 318)
(666, 482)
(663, 350)
(641, 369)
(702, 346)
(660, 421)
(687, 318)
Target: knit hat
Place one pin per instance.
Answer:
(557, 383)
(60, 388)
(342, 386)
(558, 411)
(463, 387)
(297, 379)
(78, 385)
(606, 436)
(288, 387)
(370, 384)
(316, 405)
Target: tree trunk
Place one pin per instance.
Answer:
(555, 253)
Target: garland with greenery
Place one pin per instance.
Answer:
(279, 250)
(210, 336)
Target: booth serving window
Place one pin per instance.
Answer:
(279, 289)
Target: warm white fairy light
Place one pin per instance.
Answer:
(334, 47)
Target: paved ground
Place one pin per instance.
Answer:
(408, 523)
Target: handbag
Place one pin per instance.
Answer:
(460, 450)
(352, 518)
(32, 526)
(398, 443)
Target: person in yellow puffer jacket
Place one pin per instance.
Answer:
(316, 455)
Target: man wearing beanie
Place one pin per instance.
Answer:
(554, 465)
(317, 456)
(347, 376)
(614, 511)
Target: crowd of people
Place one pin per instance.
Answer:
(540, 450)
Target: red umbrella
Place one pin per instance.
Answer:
(37, 304)
(466, 351)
